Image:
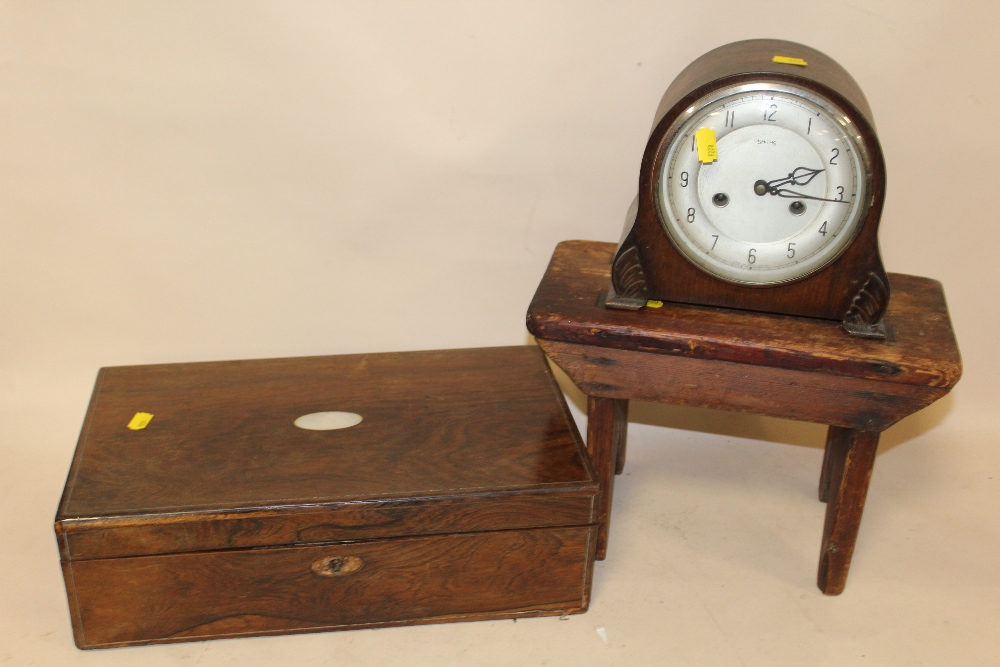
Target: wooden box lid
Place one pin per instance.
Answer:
(451, 441)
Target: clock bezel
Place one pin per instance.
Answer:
(671, 135)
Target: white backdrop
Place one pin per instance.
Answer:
(184, 181)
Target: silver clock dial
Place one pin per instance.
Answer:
(785, 195)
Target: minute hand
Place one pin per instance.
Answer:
(791, 194)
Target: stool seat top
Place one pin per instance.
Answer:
(920, 347)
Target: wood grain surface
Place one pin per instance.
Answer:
(607, 424)
(179, 597)
(451, 441)
(756, 55)
(848, 465)
(465, 493)
(777, 392)
(115, 537)
(920, 350)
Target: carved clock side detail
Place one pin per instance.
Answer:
(864, 316)
(628, 280)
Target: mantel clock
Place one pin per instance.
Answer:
(761, 188)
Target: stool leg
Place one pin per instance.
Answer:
(836, 437)
(606, 420)
(621, 435)
(850, 456)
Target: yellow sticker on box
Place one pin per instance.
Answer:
(140, 421)
(707, 151)
(788, 60)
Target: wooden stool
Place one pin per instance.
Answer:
(776, 365)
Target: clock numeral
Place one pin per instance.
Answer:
(809, 126)
(791, 250)
(690, 215)
(692, 143)
(822, 228)
(684, 179)
(836, 154)
(752, 257)
(716, 237)
(770, 111)
(840, 193)
(730, 119)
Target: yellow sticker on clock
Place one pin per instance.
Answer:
(787, 60)
(707, 151)
(140, 421)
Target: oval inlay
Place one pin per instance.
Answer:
(328, 421)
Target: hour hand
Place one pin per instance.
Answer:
(798, 176)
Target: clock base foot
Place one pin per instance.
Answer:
(875, 331)
(612, 300)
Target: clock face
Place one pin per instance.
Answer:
(785, 194)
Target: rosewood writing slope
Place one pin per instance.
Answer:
(465, 493)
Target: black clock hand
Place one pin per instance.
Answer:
(804, 173)
(800, 176)
(789, 194)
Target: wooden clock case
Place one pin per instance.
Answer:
(852, 289)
